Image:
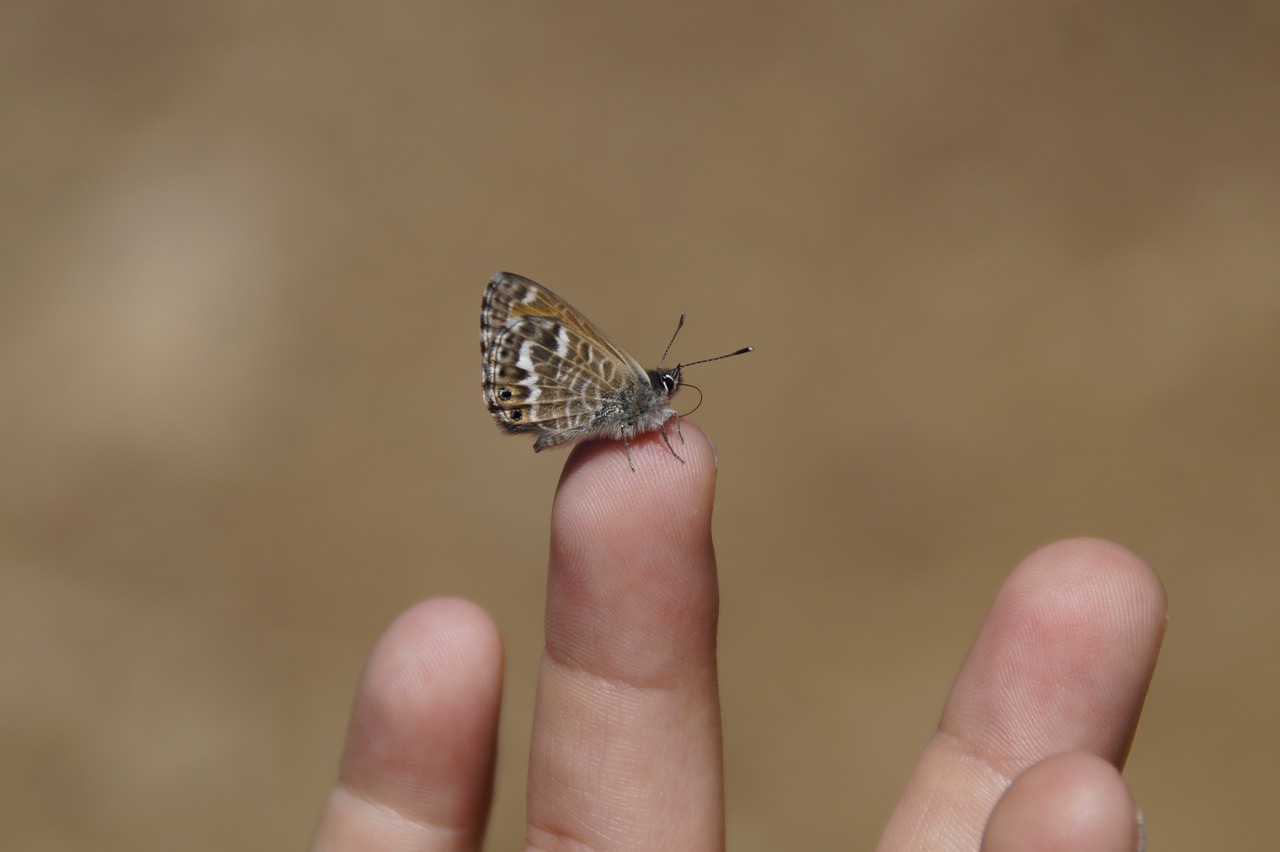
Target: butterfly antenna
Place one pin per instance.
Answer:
(679, 326)
(743, 351)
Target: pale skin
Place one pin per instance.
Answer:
(626, 750)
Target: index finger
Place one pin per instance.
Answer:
(626, 747)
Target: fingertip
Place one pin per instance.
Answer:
(715, 452)
(632, 567)
(418, 760)
(599, 490)
(439, 642)
(1100, 576)
(1068, 802)
(1100, 554)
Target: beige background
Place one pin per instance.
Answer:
(1012, 271)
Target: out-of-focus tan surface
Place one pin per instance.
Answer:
(1012, 272)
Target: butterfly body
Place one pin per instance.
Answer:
(547, 370)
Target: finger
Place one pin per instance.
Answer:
(626, 749)
(1060, 664)
(417, 769)
(1074, 802)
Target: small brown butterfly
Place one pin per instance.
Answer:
(547, 369)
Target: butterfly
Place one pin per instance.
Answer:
(548, 370)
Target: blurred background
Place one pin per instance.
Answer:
(1012, 272)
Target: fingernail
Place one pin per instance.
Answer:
(1142, 831)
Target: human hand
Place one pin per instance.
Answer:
(626, 750)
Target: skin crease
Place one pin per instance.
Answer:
(626, 749)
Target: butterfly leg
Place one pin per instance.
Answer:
(663, 429)
(627, 449)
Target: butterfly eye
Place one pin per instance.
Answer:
(505, 394)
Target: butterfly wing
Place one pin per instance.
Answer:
(548, 369)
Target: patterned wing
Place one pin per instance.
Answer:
(548, 369)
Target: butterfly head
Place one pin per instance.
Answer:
(666, 380)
